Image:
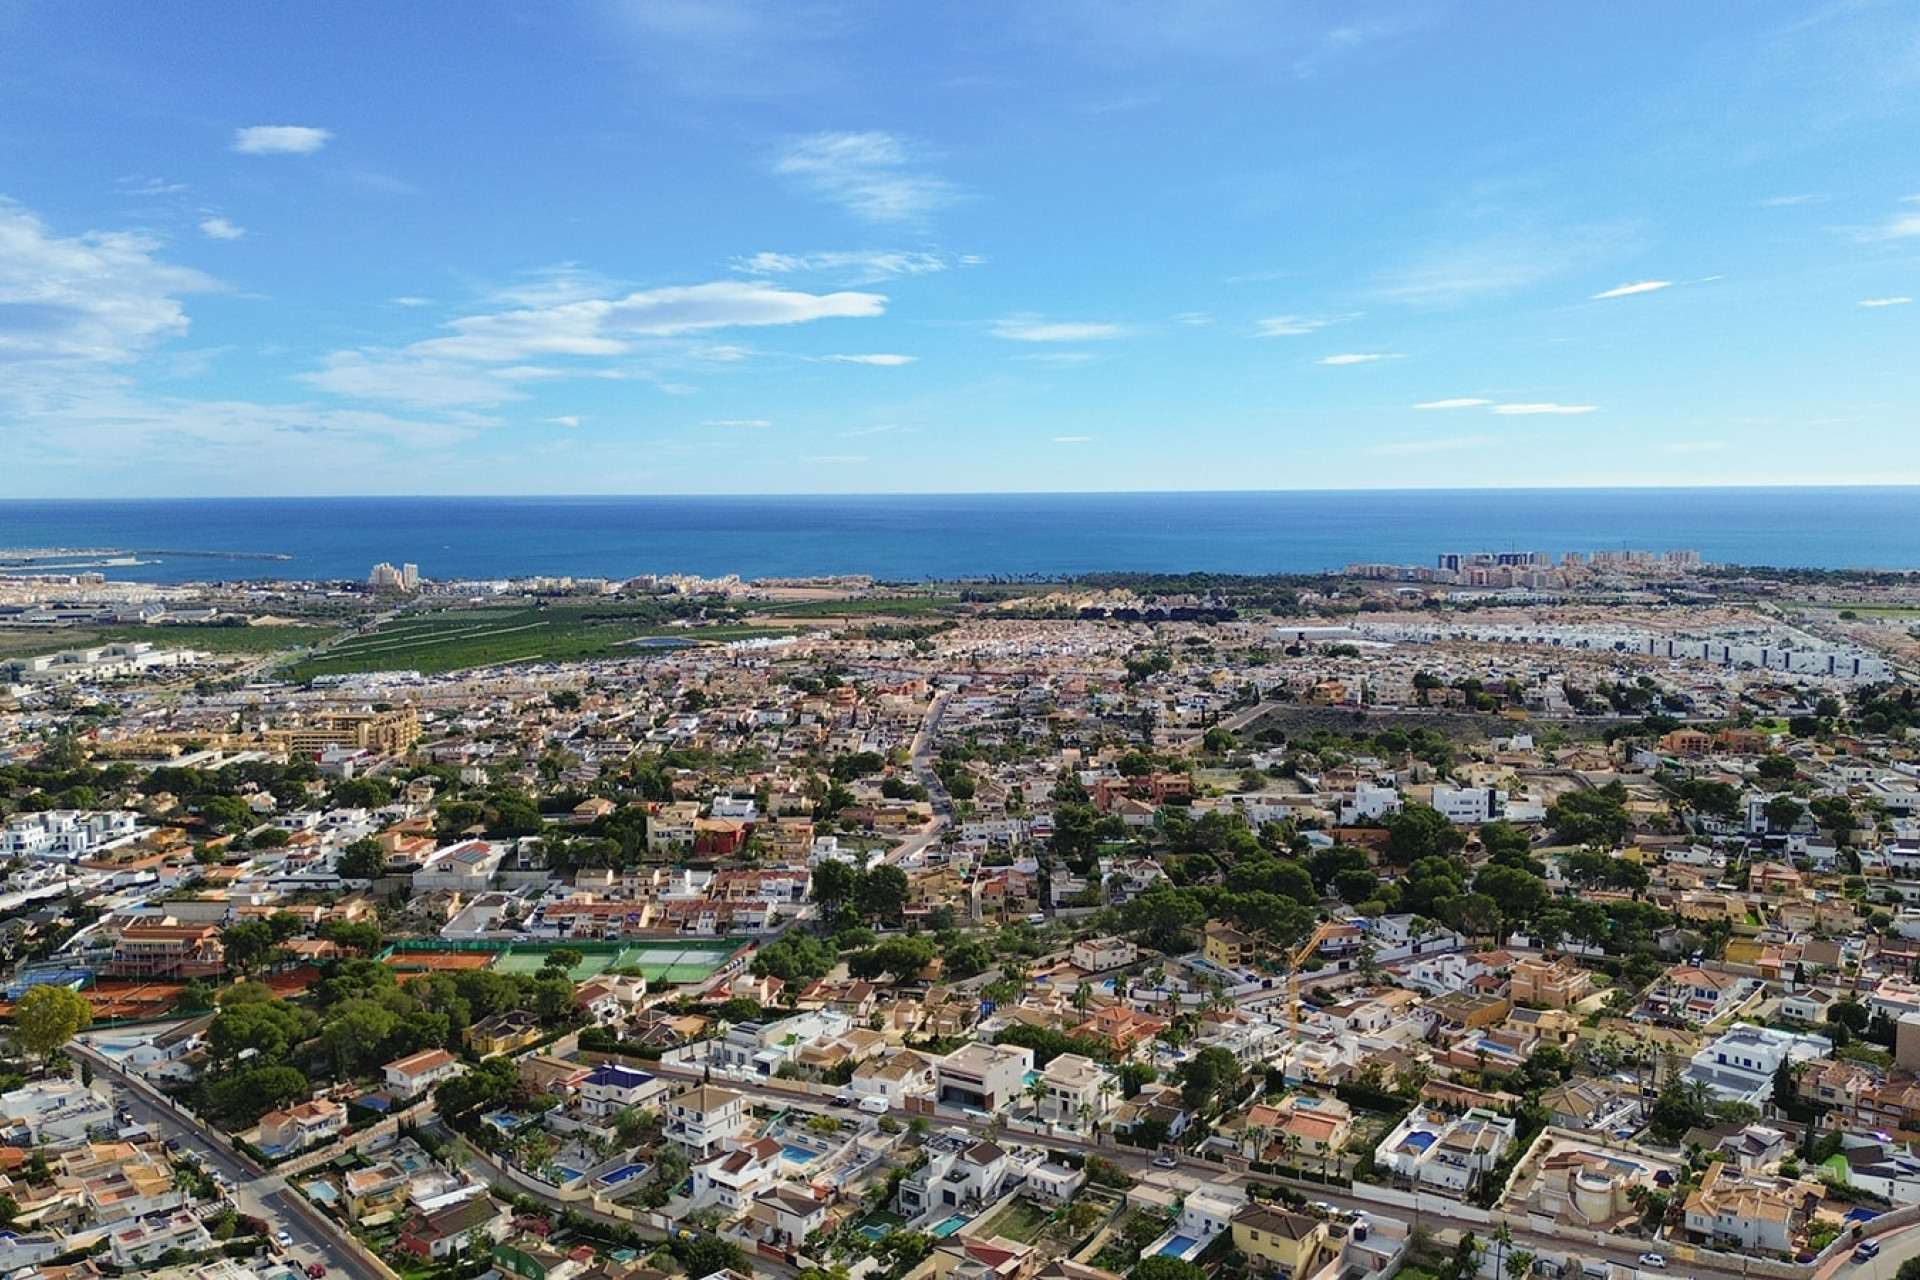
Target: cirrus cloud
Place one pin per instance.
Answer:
(884, 358)
(1461, 402)
(1885, 302)
(1287, 326)
(871, 175)
(1356, 357)
(279, 140)
(1031, 330)
(1625, 290)
(1523, 410)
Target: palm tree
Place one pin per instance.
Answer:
(1503, 1238)
(1254, 1135)
(1519, 1265)
(1037, 1091)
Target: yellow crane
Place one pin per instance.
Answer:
(1295, 959)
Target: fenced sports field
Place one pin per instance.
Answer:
(665, 961)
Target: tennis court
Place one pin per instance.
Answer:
(531, 960)
(674, 961)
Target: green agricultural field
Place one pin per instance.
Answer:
(21, 641)
(901, 607)
(455, 639)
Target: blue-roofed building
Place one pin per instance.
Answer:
(613, 1086)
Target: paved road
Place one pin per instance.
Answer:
(256, 1192)
(1433, 1214)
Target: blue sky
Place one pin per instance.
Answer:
(707, 246)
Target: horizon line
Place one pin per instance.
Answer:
(1770, 487)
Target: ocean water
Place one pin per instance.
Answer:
(916, 537)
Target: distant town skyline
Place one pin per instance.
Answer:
(728, 247)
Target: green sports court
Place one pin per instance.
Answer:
(666, 961)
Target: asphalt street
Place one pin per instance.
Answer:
(261, 1195)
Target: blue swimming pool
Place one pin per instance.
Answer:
(951, 1225)
(1177, 1246)
(625, 1173)
(799, 1155)
(567, 1175)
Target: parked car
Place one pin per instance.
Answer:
(284, 1239)
(1166, 1162)
(874, 1104)
(844, 1100)
(1653, 1260)
(1866, 1251)
(316, 1270)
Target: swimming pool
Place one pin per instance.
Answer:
(567, 1175)
(799, 1155)
(1177, 1246)
(625, 1173)
(951, 1225)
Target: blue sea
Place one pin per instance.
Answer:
(946, 536)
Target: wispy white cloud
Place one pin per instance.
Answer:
(1031, 330)
(1523, 410)
(1644, 286)
(137, 185)
(566, 420)
(487, 356)
(102, 296)
(738, 422)
(872, 175)
(412, 302)
(1432, 446)
(886, 429)
(279, 139)
(878, 357)
(1072, 439)
(1885, 302)
(220, 229)
(1461, 402)
(860, 266)
(1491, 266)
(1774, 202)
(1356, 357)
(1193, 318)
(1057, 357)
(1287, 326)
(1899, 227)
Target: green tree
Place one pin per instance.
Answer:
(1783, 812)
(1597, 817)
(834, 883)
(364, 859)
(1160, 1267)
(884, 892)
(47, 1016)
(1420, 831)
(247, 945)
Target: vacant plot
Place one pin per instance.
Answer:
(455, 639)
(1019, 1221)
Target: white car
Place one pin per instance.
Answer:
(1166, 1162)
(1653, 1260)
(284, 1239)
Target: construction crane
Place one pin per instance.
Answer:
(1296, 958)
